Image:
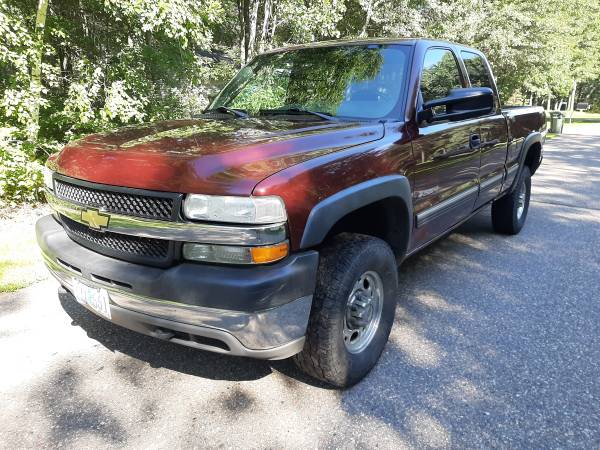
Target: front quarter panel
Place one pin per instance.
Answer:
(305, 185)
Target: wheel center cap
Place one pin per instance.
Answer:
(360, 312)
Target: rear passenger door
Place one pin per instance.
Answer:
(494, 134)
(446, 154)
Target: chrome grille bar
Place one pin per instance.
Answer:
(251, 235)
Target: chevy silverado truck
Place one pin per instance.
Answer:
(273, 224)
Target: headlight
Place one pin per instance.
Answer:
(48, 178)
(256, 210)
(235, 255)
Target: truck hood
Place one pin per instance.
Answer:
(224, 157)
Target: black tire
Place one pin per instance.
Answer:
(342, 263)
(505, 211)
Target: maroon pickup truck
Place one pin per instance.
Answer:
(273, 224)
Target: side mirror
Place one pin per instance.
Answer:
(462, 103)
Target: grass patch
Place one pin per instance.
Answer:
(585, 117)
(578, 117)
(578, 124)
(20, 259)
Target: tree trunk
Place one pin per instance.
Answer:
(273, 26)
(264, 36)
(248, 26)
(242, 22)
(252, 26)
(242, 49)
(369, 12)
(590, 93)
(571, 104)
(35, 83)
(548, 102)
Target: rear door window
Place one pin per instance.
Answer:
(476, 69)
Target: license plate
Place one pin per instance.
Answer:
(97, 299)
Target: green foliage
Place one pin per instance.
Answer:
(20, 175)
(108, 63)
(306, 21)
(325, 75)
(315, 79)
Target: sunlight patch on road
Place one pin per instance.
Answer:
(434, 301)
(467, 240)
(417, 349)
(465, 390)
(41, 349)
(428, 431)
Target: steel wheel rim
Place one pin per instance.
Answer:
(363, 312)
(521, 200)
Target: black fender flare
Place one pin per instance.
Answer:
(535, 137)
(329, 211)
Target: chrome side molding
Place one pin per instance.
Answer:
(443, 207)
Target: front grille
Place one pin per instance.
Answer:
(157, 206)
(130, 248)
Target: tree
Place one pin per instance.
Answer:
(36, 69)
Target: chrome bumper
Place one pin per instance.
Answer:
(277, 333)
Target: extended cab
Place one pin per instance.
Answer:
(273, 224)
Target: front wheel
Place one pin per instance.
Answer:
(353, 309)
(509, 212)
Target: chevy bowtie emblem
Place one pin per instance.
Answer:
(95, 219)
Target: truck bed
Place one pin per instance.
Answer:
(523, 120)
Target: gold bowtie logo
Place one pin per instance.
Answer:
(95, 219)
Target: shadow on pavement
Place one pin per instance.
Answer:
(158, 353)
(88, 414)
(176, 357)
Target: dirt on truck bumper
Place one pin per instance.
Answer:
(259, 312)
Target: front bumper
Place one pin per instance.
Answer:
(260, 312)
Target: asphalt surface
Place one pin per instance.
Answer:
(496, 344)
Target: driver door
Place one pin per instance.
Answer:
(446, 153)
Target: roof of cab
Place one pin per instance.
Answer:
(366, 41)
(339, 42)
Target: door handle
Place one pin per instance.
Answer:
(475, 141)
(464, 150)
(491, 143)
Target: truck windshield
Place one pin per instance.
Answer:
(360, 81)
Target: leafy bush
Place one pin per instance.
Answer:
(105, 63)
(21, 178)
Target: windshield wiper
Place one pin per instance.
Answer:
(298, 111)
(227, 110)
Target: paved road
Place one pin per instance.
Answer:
(496, 343)
(586, 129)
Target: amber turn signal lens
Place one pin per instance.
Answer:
(261, 255)
(226, 254)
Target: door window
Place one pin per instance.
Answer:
(478, 73)
(440, 74)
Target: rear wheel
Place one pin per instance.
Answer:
(509, 212)
(353, 309)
